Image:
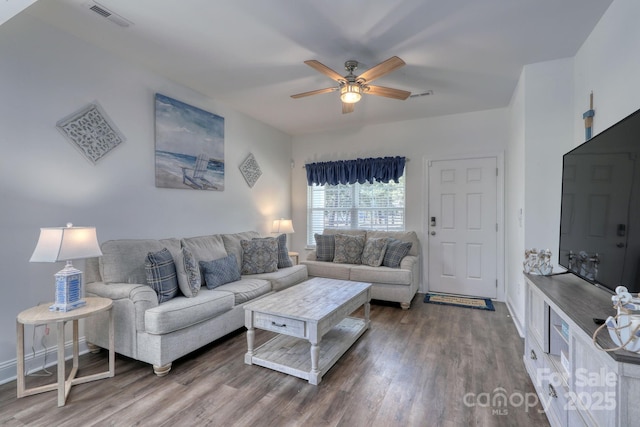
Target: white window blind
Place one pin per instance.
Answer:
(376, 206)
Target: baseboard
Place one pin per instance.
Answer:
(516, 319)
(36, 362)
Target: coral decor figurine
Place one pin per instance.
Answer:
(537, 262)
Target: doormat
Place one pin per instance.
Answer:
(468, 302)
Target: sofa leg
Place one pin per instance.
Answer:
(93, 348)
(163, 370)
(405, 305)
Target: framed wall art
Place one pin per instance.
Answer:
(189, 146)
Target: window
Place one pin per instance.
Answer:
(376, 206)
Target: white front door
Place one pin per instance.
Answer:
(462, 226)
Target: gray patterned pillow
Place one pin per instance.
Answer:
(161, 274)
(259, 255)
(191, 282)
(283, 253)
(396, 250)
(220, 271)
(348, 249)
(325, 246)
(374, 250)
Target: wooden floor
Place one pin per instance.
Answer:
(432, 365)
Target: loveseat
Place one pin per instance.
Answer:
(157, 331)
(397, 281)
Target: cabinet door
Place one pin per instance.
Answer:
(594, 386)
(538, 318)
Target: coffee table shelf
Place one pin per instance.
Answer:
(290, 355)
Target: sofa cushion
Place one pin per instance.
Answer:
(220, 271)
(395, 276)
(161, 274)
(405, 236)
(328, 269)
(122, 261)
(325, 246)
(205, 248)
(259, 255)
(396, 250)
(181, 312)
(246, 289)
(349, 249)
(284, 277)
(283, 252)
(189, 279)
(232, 243)
(373, 252)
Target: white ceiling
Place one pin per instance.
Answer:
(249, 54)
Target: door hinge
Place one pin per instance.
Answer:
(496, 283)
(496, 171)
(496, 227)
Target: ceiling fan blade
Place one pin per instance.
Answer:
(348, 108)
(381, 69)
(318, 66)
(314, 92)
(388, 92)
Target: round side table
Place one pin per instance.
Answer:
(41, 315)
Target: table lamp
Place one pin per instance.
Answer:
(281, 226)
(66, 244)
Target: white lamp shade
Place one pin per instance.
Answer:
(282, 226)
(66, 243)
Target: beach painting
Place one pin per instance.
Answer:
(189, 146)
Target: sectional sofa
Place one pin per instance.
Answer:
(397, 281)
(159, 332)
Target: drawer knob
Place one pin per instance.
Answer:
(552, 392)
(279, 325)
(533, 355)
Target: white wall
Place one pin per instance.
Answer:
(419, 140)
(514, 203)
(608, 63)
(46, 74)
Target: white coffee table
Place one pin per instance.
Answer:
(316, 312)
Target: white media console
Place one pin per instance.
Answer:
(577, 383)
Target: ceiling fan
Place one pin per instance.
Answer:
(352, 87)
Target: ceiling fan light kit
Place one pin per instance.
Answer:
(352, 87)
(350, 93)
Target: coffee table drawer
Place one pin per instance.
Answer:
(282, 325)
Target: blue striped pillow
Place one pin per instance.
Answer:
(396, 250)
(325, 246)
(161, 274)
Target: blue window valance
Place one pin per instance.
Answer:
(380, 169)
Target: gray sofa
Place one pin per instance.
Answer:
(388, 284)
(159, 333)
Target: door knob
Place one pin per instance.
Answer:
(433, 233)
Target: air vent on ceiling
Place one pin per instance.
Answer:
(417, 95)
(107, 14)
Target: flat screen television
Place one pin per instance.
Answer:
(600, 216)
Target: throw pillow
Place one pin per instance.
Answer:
(189, 280)
(220, 271)
(161, 274)
(283, 253)
(396, 250)
(259, 255)
(348, 249)
(325, 246)
(374, 250)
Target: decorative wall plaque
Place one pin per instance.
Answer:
(250, 170)
(91, 131)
